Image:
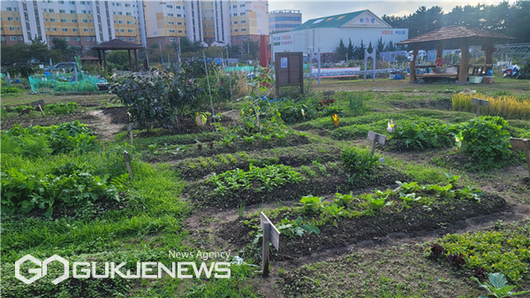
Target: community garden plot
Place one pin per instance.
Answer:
(308, 167)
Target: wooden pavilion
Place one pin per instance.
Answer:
(452, 37)
(117, 44)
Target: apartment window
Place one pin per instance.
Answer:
(242, 5)
(9, 18)
(113, 4)
(177, 7)
(171, 23)
(235, 30)
(235, 14)
(87, 38)
(129, 22)
(88, 48)
(122, 30)
(93, 38)
(52, 20)
(74, 21)
(244, 38)
(170, 6)
(120, 13)
(51, 10)
(44, 20)
(44, 9)
(242, 14)
(47, 29)
(13, 38)
(118, 4)
(169, 14)
(16, 19)
(86, 29)
(234, 6)
(179, 23)
(171, 31)
(75, 30)
(73, 11)
(62, 11)
(131, 30)
(3, 38)
(65, 29)
(91, 21)
(54, 29)
(235, 22)
(71, 2)
(127, 5)
(82, 2)
(20, 38)
(122, 39)
(128, 13)
(61, 2)
(131, 39)
(179, 15)
(83, 11)
(180, 31)
(12, 28)
(172, 39)
(121, 22)
(63, 20)
(91, 29)
(236, 38)
(243, 22)
(77, 38)
(66, 38)
(18, 28)
(1, 28)
(243, 30)
(85, 21)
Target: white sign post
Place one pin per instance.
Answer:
(479, 102)
(375, 137)
(272, 235)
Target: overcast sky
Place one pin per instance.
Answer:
(313, 9)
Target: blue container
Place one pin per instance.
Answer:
(490, 73)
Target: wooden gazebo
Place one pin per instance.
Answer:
(451, 37)
(117, 44)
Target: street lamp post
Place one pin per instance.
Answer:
(160, 47)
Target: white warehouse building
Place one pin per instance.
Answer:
(326, 32)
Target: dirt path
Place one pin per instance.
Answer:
(109, 123)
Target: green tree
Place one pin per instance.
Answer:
(39, 51)
(351, 50)
(380, 45)
(341, 51)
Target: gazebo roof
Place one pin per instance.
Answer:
(453, 34)
(88, 58)
(117, 44)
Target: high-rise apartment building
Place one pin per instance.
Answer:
(284, 20)
(80, 23)
(146, 22)
(250, 19)
(165, 21)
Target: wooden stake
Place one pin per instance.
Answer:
(127, 163)
(129, 128)
(265, 252)
(40, 108)
(84, 100)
